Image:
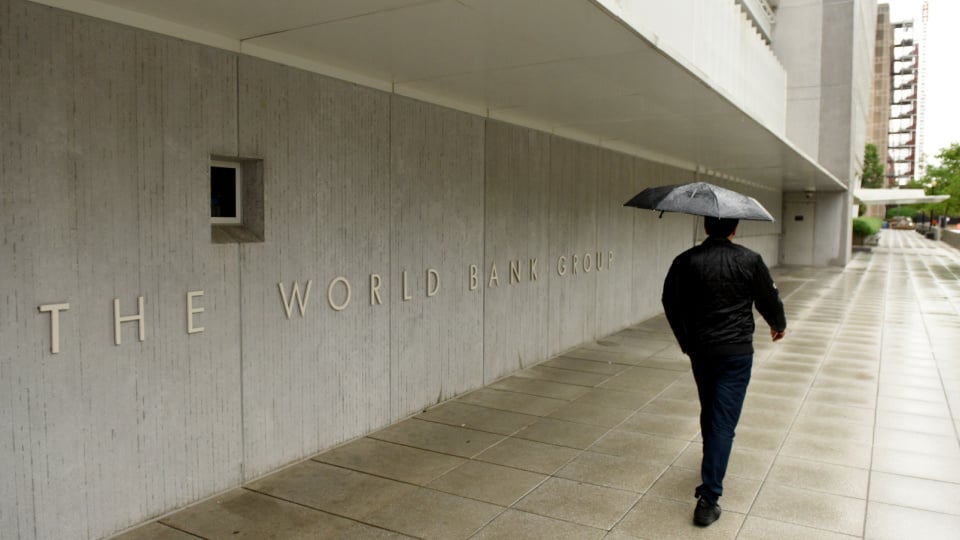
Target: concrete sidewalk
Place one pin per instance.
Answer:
(850, 430)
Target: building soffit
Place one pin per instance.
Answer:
(574, 70)
(896, 196)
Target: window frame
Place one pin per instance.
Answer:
(238, 192)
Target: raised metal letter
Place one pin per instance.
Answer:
(54, 311)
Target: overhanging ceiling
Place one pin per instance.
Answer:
(565, 66)
(896, 196)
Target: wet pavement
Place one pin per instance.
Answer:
(849, 430)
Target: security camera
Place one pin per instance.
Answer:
(808, 194)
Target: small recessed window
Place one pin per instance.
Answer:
(226, 191)
(236, 199)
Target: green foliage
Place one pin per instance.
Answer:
(944, 179)
(915, 184)
(872, 168)
(909, 211)
(867, 225)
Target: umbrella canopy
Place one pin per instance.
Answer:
(701, 199)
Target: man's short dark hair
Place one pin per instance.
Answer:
(720, 227)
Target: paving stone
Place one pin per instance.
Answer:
(586, 504)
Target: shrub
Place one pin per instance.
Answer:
(908, 211)
(867, 225)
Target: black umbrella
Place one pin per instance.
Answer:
(701, 199)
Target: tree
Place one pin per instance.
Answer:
(944, 179)
(872, 168)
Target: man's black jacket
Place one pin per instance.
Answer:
(709, 294)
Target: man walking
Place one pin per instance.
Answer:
(708, 297)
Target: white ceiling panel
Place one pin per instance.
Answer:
(651, 74)
(567, 28)
(244, 19)
(419, 42)
(597, 111)
(565, 66)
(554, 83)
(667, 132)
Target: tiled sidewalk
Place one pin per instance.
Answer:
(849, 431)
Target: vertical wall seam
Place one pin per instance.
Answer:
(236, 76)
(548, 243)
(554, 289)
(243, 423)
(390, 344)
(483, 258)
(597, 332)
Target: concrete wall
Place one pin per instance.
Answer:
(878, 123)
(846, 77)
(849, 35)
(728, 52)
(104, 194)
(951, 237)
(516, 229)
(321, 377)
(834, 224)
(798, 43)
(827, 48)
(106, 137)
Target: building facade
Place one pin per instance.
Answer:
(827, 51)
(904, 103)
(878, 130)
(427, 196)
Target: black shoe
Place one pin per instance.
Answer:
(706, 513)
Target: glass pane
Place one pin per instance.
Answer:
(223, 192)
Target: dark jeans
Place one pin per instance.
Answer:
(722, 384)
